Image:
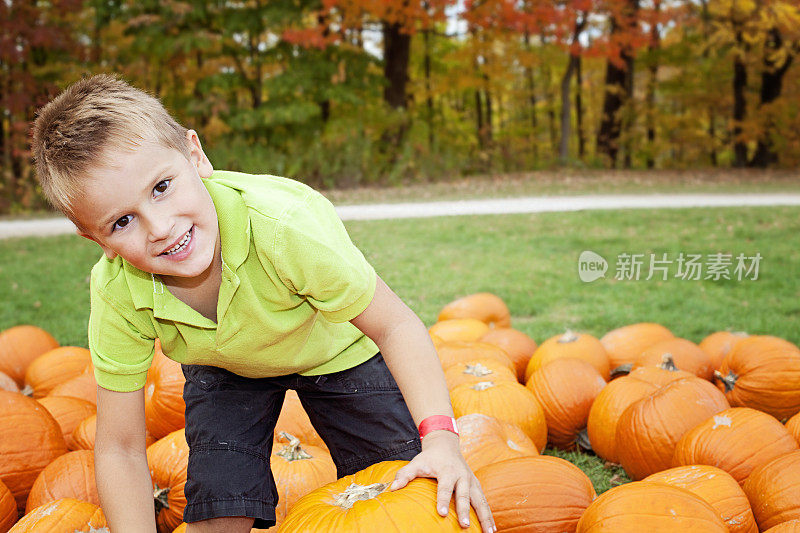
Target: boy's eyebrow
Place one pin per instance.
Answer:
(157, 176)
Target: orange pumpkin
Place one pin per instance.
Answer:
(544, 494)
(624, 345)
(718, 344)
(8, 508)
(68, 412)
(478, 370)
(459, 329)
(294, 421)
(793, 425)
(361, 502)
(566, 388)
(774, 490)
(518, 346)
(570, 344)
(298, 470)
(55, 367)
(66, 514)
(608, 406)
(164, 407)
(453, 352)
(504, 400)
(168, 459)
(762, 372)
(618, 395)
(7, 383)
(792, 526)
(84, 434)
(651, 507)
(658, 375)
(649, 430)
(83, 386)
(19, 346)
(716, 487)
(68, 476)
(32, 443)
(737, 440)
(485, 440)
(483, 306)
(684, 354)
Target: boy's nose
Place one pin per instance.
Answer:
(161, 230)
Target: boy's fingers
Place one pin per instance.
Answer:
(462, 501)
(444, 493)
(401, 479)
(407, 473)
(482, 508)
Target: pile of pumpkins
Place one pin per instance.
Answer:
(709, 432)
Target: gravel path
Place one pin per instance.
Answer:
(533, 204)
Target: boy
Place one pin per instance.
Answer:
(252, 283)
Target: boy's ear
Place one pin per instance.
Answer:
(111, 254)
(197, 156)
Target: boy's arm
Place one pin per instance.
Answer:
(120, 462)
(409, 353)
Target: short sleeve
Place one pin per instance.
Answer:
(121, 354)
(315, 258)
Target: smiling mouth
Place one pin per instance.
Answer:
(181, 245)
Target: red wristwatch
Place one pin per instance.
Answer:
(437, 422)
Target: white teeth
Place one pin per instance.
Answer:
(181, 245)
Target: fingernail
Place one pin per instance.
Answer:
(465, 523)
(443, 511)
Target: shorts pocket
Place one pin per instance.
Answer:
(370, 376)
(206, 377)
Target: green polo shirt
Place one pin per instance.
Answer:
(291, 281)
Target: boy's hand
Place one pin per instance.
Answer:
(441, 459)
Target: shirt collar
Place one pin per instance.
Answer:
(234, 227)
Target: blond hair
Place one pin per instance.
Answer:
(73, 132)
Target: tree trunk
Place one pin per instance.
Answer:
(396, 50)
(653, 47)
(479, 118)
(551, 113)
(618, 88)
(628, 110)
(566, 112)
(324, 103)
(739, 107)
(579, 108)
(712, 133)
(426, 35)
(771, 87)
(532, 101)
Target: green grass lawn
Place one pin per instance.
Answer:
(528, 260)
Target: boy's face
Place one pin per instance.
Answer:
(150, 207)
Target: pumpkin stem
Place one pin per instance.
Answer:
(477, 370)
(568, 336)
(160, 497)
(356, 492)
(483, 385)
(583, 440)
(668, 363)
(292, 451)
(729, 381)
(622, 370)
(27, 391)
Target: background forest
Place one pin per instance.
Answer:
(339, 93)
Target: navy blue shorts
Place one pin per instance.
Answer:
(359, 413)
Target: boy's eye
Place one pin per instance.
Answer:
(161, 187)
(122, 222)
